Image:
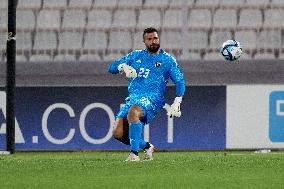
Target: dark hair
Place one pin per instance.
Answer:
(150, 30)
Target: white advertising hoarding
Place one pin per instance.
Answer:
(255, 117)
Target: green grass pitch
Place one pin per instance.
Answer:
(67, 170)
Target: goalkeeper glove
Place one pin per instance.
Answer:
(129, 71)
(175, 108)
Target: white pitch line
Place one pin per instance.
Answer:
(256, 153)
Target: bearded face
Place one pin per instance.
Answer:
(152, 42)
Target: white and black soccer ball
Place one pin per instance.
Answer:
(231, 50)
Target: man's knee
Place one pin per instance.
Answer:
(134, 114)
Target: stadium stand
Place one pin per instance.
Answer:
(273, 18)
(218, 37)
(28, 4)
(48, 20)
(64, 58)
(82, 4)
(54, 4)
(156, 4)
(172, 19)
(99, 19)
(89, 57)
(74, 19)
(120, 40)
(106, 4)
(149, 18)
(247, 38)
(225, 18)
(74, 30)
(254, 21)
(95, 41)
(207, 3)
(45, 40)
(180, 4)
(124, 19)
(69, 40)
(200, 19)
(130, 4)
(25, 20)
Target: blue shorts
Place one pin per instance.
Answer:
(149, 108)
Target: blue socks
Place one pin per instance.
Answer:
(135, 132)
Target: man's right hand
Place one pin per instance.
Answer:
(129, 71)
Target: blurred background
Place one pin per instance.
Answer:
(54, 31)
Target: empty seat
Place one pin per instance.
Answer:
(124, 19)
(173, 19)
(264, 56)
(156, 3)
(4, 20)
(247, 39)
(21, 58)
(250, 18)
(105, 4)
(231, 3)
(281, 56)
(29, 4)
(112, 56)
(277, 3)
(269, 39)
(48, 20)
(3, 40)
(225, 18)
(3, 5)
(90, 58)
(25, 20)
(24, 40)
(99, 19)
(171, 40)
(197, 40)
(199, 18)
(81, 3)
(213, 56)
(274, 18)
(51, 4)
(181, 3)
(120, 40)
(207, 3)
(149, 18)
(74, 19)
(217, 38)
(40, 58)
(65, 58)
(258, 3)
(138, 41)
(70, 40)
(45, 41)
(130, 3)
(95, 41)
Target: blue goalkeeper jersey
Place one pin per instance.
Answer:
(153, 74)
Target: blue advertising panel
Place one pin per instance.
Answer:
(276, 116)
(81, 118)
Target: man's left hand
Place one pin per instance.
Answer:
(174, 110)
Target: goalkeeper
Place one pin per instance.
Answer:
(148, 72)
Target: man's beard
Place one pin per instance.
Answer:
(153, 48)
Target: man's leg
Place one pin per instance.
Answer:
(135, 128)
(121, 133)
